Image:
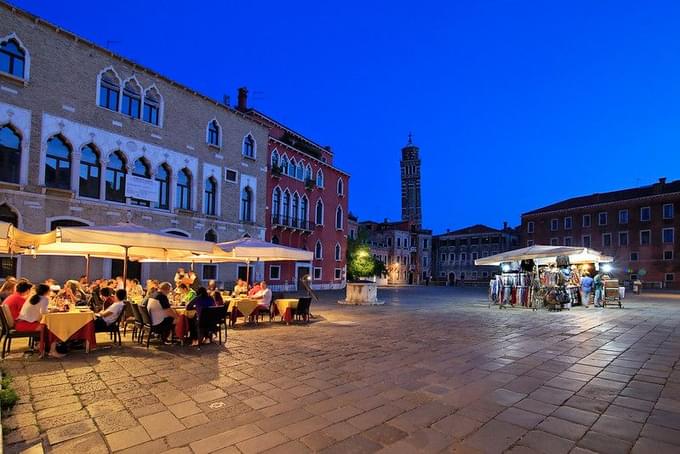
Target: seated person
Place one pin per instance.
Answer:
(215, 293)
(263, 294)
(106, 296)
(199, 303)
(32, 312)
(8, 287)
(253, 291)
(187, 294)
(162, 315)
(16, 300)
(109, 315)
(240, 288)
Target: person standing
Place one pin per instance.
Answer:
(598, 284)
(586, 289)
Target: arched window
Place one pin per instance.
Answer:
(338, 219)
(90, 173)
(285, 208)
(211, 236)
(341, 187)
(10, 154)
(58, 164)
(276, 206)
(163, 178)
(132, 99)
(115, 178)
(304, 210)
(141, 169)
(295, 209)
(275, 158)
(318, 250)
(319, 178)
(299, 171)
(66, 223)
(12, 58)
(284, 165)
(249, 146)
(210, 197)
(308, 173)
(319, 212)
(183, 195)
(247, 204)
(338, 252)
(214, 133)
(109, 90)
(152, 106)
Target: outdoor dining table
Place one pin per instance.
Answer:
(244, 307)
(76, 324)
(284, 307)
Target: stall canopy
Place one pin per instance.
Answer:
(546, 254)
(15, 241)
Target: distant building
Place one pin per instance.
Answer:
(636, 226)
(404, 249)
(352, 227)
(455, 252)
(411, 209)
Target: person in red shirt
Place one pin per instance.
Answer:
(16, 300)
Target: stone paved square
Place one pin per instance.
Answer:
(433, 370)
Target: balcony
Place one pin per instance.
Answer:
(279, 221)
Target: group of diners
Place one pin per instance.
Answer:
(27, 303)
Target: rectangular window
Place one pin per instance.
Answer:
(567, 223)
(645, 214)
(623, 216)
(443, 257)
(338, 274)
(602, 218)
(554, 224)
(463, 257)
(634, 256)
(530, 227)
(645, 237)
(623, 238)
(567, 241)
(452, 257)
(606, 239)
(209, 272)
(668, 255)
(317, 273)
(474, 275)
(274, 272)
(670, 277)
(586, 220)
(474, 256)
(424, 262)
(424, 244)
(668, 235)
(230, 175)
(399, 242)
(554, 241)
(668, 211)
(586, 240)
(485, 274)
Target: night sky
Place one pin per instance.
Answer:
(515, 104)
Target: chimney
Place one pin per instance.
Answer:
(505, 225)
(662, 181)
(242, 99)
(226, 100)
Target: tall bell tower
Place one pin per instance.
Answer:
(410, 184)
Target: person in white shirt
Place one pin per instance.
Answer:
(109, 315)
(32, 312)
(265, 295)
(161, 313)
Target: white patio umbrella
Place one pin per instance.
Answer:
(544, 254)
(122, 241)
(14, 240)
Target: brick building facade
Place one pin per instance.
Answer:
(635, 226)
(306, 205)
(80, 125)
(454, 253)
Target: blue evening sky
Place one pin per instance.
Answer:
(515, 104)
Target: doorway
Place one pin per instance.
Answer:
(134, 269)
(301, 271)
(246, 274)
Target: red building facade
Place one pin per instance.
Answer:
(636, 226)
(307, 206)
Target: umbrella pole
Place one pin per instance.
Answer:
(248, 272)
(87, 267)
(125, 266)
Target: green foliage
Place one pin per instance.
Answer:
(8, 396)
(360, 262)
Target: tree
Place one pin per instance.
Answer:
(360, 262)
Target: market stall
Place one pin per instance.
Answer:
(545, 276)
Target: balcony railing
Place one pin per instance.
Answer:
(292, 222)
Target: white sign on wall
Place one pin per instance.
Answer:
(141, 188)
